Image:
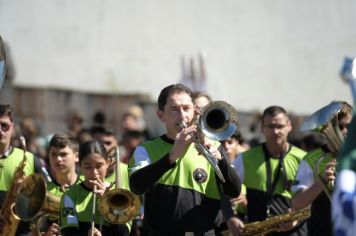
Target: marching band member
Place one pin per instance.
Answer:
(309, 185)
(268, 171)
(11, 159)
(62, 171)
(76, 214)
(182, 192)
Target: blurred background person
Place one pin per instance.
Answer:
(74, 121)
(201, 99)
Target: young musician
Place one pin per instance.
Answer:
(76, 207)
(62, 170)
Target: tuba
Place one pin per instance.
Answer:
(118, 206)
(325, 121)
(217, 121)
(271, 224)
(33, 202)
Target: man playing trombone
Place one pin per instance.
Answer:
(182, 192)
(317, 170)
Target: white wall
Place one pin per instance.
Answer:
(259, 53)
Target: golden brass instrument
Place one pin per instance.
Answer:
(272, 224)
(9, 221)
(119, 206)
(34, 203)
(218, 121)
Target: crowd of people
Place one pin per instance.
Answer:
(180, 190)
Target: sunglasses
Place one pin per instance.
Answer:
(5, 126)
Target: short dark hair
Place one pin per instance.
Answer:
(62, 140)
(6, 110)
(171, 89)
(90, 147)
(273, 111)
(199, 94)
(237, 135)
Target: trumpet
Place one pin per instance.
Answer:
(218, 121)
(118, 206)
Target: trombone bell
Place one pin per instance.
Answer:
(118, 206)
(218, 120)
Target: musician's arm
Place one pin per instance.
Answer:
(306, 190)
(145, 176)
(232, 185)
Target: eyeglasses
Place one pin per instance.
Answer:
(276, 126)
(5, 126)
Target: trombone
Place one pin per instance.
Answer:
(118, 206)
(218, 121)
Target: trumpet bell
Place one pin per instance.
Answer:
(30, 197)
(218, 120)
(119, 206)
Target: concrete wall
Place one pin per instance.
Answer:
(258, 53)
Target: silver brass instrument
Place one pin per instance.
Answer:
(118, 206)
(2, 63)
(218, 121)
(325, 121)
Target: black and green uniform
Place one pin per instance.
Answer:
(76, 211)
(56, 190)
(180, 197)
(268, 181)
(124, 176)
(319, 222)
(8, 165)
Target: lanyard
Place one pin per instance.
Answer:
(271, 183)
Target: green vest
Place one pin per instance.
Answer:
(9, 165)
(255, 176)
(182, 174)
(313, 157)
(124, 177)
